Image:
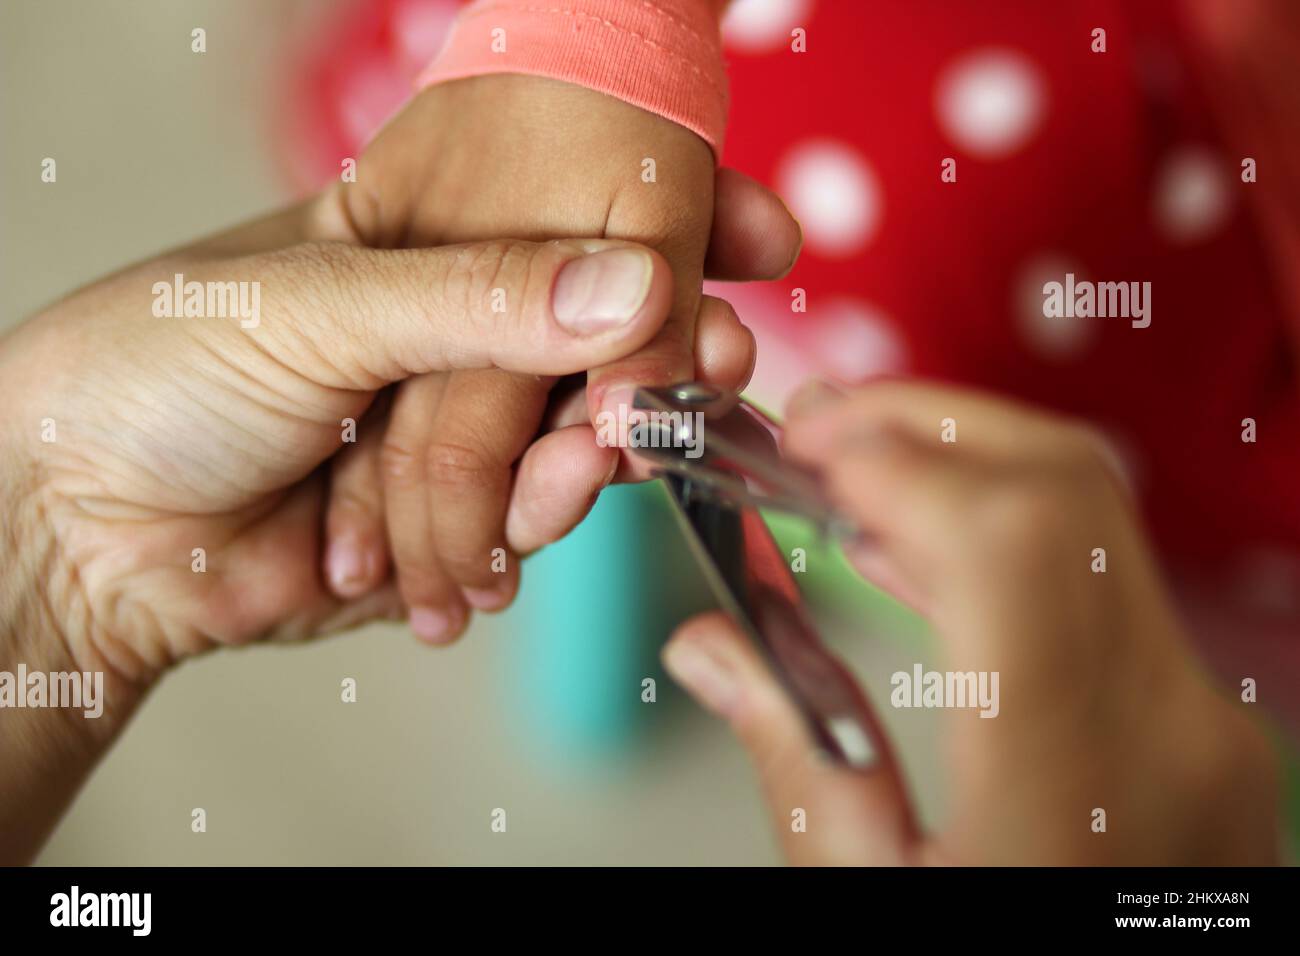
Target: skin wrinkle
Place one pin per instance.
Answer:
(153, 608)
(278, 402)
(65, 596)
(258, 443)
(346, 271)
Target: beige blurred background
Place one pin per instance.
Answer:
(155, 146)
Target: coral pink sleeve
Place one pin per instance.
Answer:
(662, 55)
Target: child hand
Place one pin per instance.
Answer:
(994, 538)
(438, 483)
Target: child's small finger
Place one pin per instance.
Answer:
(356, 547)
(754, 236)
(725, 350)
(438, 613)
(484, 423)
(558, 480)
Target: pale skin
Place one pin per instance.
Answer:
(172, 435)
(1103, 706)
(181, 434)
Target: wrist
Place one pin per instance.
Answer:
(58, 710)
(664, 56)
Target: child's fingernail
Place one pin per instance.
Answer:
(431, 624)
(815, 395)
(487, 599)
(613, 471)
(345, 565)
(602, 290)
(614, 412)
(712, 684)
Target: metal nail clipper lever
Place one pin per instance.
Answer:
(733, 469)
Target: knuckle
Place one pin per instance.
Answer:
(1027, 517)
(481, 274)
(352, 504)
(453, 465)
(400, 465)
(319, 263)
(320, 276)
(671, 227)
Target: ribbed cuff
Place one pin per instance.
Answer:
(664, 56)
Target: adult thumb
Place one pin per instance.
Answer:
(353, 317)
(823, 813)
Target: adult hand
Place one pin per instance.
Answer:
(162, 482)
(1102, 707)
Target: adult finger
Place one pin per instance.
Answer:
(824, 814)
(820, 414)
(356, 318)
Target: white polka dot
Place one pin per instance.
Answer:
(990, 101)
(1191, 195)
(759, 26)
(834, 194)
(1050, 337)
(853, 340)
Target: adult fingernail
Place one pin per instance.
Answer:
(815, 395)
(432, 625)
(345, 564)
(487, 599)
(602, 290)
(711, 683)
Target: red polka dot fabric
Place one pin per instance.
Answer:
(1106, 166)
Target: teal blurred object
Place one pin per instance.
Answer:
(593, 612)
(595, 609)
